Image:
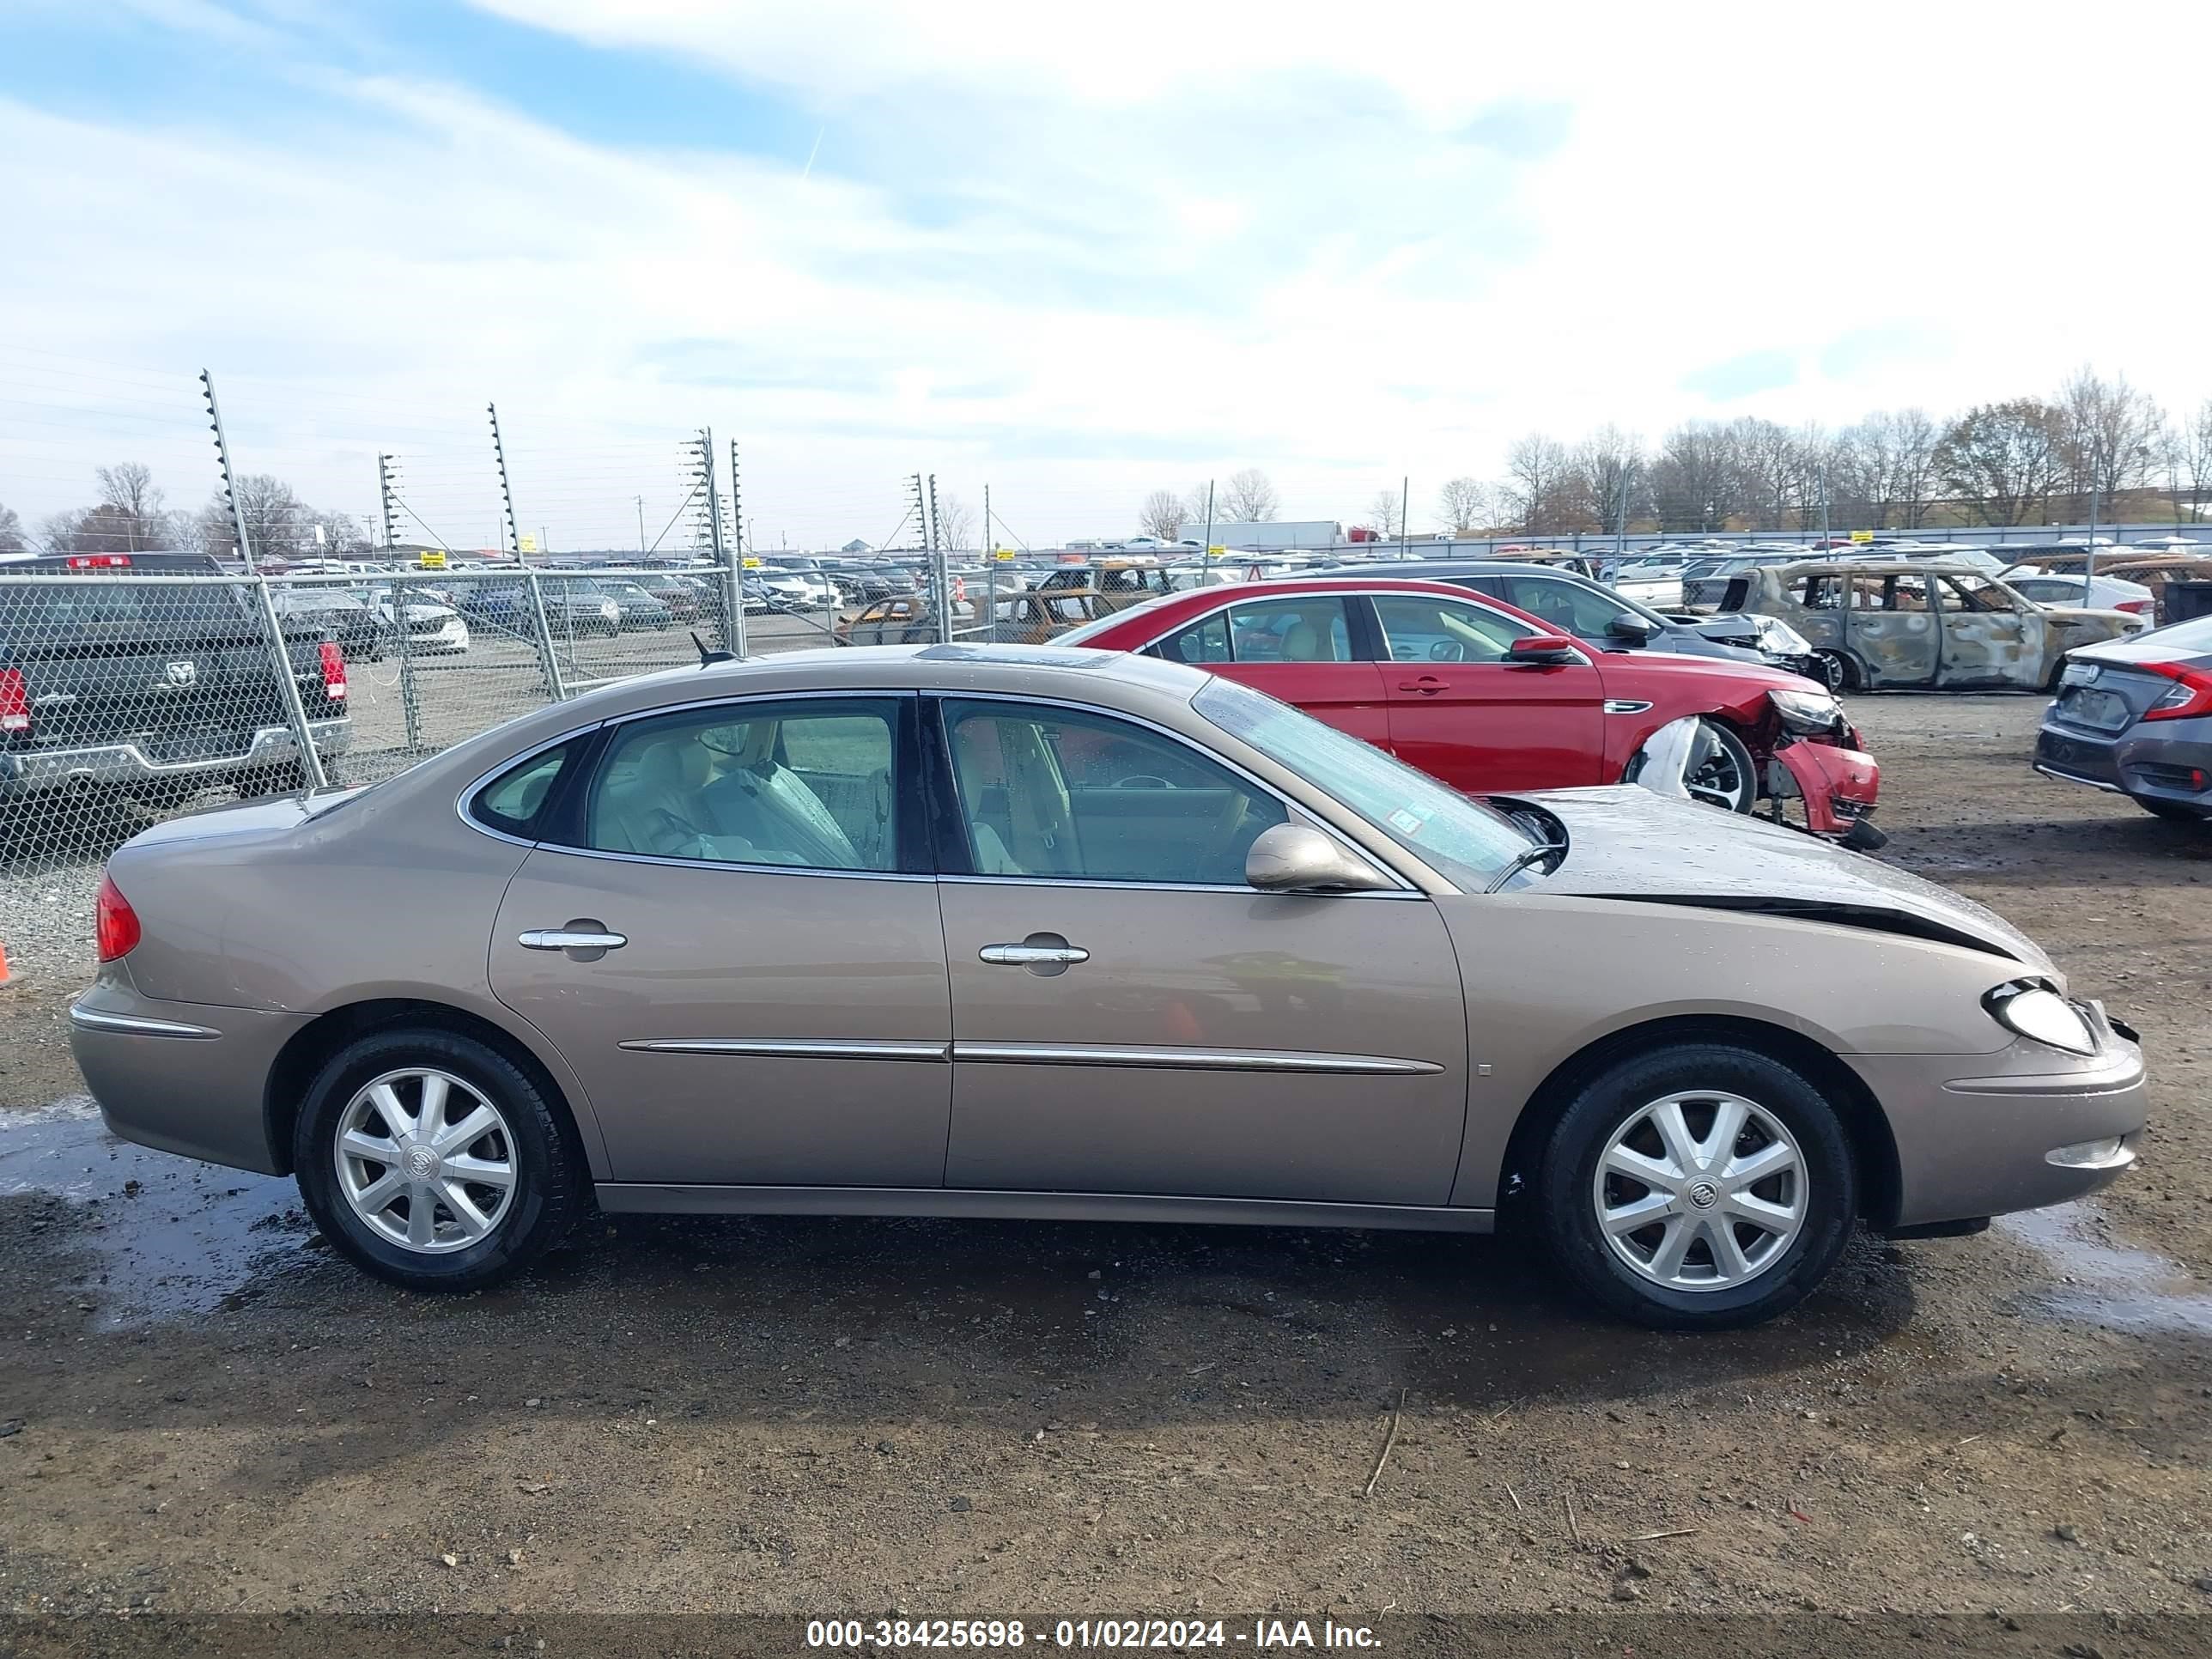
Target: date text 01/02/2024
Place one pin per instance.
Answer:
(1141, 1634)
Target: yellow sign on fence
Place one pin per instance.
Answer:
(527, 544)
(1217, 552)
(431, 562)
(748, 562)
(1003, 555)
(1862, 535)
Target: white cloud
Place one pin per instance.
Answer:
(1081, 254)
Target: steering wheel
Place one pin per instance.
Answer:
(1447, 651)
(1140, 781)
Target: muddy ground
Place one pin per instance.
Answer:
(201, 1410)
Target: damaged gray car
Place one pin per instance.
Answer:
(1888, 624)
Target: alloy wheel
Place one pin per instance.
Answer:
(1716, 774)
(425, 1160)
(1700, 1191)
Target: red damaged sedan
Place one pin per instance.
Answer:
(1492, 700)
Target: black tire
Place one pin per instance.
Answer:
(1838, 672)
(549, 1192)
(1566, 1215)
(1746, 769)
(2172, 810)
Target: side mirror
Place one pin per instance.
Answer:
(1542, 650)
(1632, 628)
(1293, 858)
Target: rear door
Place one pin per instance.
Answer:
(1299, 649)
(1989, 638)
(733, 938)
(1464, 715)
(1893, 628)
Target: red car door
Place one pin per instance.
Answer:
(1298, 649)
(1461, 713)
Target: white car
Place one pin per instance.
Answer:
(433, 629)
(2066, 590)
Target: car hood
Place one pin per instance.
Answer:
(1625, 843)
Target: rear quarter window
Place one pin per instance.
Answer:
(516, 802)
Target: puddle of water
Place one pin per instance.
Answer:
(173, 1236)
(2106, 1283)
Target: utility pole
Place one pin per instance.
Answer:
(1209, 520)
(2089, 564)
(1405, 523)
(506, 494)
(387, 492)
(733, 599)
(288, 678)
(1620, 517)
(641, 526)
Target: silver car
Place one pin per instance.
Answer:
(977, 930)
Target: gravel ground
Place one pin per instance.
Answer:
(819, 1416)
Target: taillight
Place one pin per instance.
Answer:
(100, 561)
(2137, 607)
(2191, 695)
(114, 923)
(14, 702)
(334, 680)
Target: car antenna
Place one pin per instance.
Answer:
(708, 657)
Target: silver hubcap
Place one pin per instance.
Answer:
(425, 1160)
(1700, 1191)
(1714, 773)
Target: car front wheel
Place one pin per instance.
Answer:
(431, 1160)
(1699, 1186)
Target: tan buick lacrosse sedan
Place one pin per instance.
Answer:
(1004, 931)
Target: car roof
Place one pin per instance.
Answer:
(1444, 570)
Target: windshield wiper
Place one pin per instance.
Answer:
(1522, 860)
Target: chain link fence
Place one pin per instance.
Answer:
(129, 692)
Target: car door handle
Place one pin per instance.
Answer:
(1031, 956)
(571, 938)
(1427, 684)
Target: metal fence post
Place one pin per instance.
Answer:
(410, 705)
(551, 664)
(991, 591)
(295, 712)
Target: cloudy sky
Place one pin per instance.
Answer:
(1072, 253)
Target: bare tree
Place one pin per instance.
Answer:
(57, 530)
(130, 491)
(1199, 509)
(1161, 516)
(1536, 469)
(955, 524)
(1913, 479)
(1611, 465)
(1464, 506)
(1250, 497)
(2108, 435)
(11, 531)
(2197, 457)
(2006, 459)
(1697, 480)
(276, 521)
(1386, 512)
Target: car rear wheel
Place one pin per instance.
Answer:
(1700, 1186)
(1840, 673)
(431, 1160)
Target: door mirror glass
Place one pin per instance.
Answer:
(1290, 857)
(1629, 627)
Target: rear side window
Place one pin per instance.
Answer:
(514, 802)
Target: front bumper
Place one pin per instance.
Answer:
(1840, 786)
(36, 771)
(1975, 1132)
(182, 1077)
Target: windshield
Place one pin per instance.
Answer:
(1466, 840)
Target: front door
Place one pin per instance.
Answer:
(1464, 715)
(1129, 1017)
(1990, 636)
(1299, 649)
(740, 954)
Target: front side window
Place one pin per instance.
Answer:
(1060, 793)
(1419, 628)
(1973, 593)
(804, 785)
(1568, 606)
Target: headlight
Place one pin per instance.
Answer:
(1809, 712)
(2038, 1011)
(1779, 637)
(608, 609)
